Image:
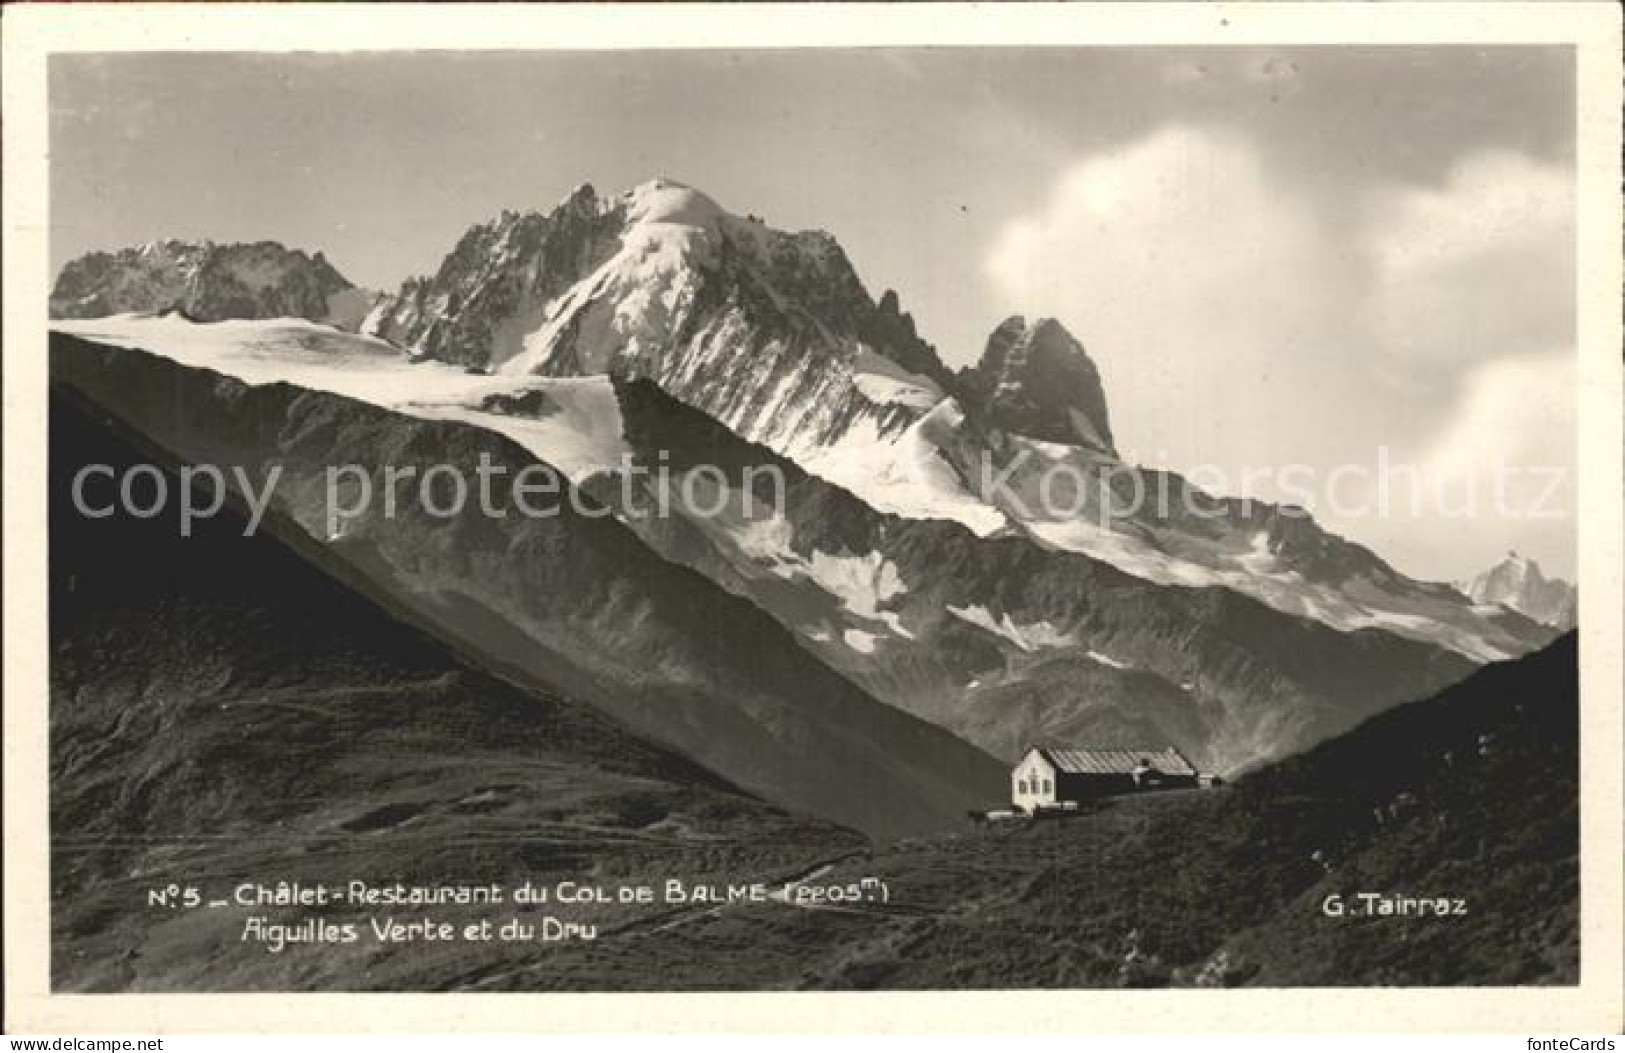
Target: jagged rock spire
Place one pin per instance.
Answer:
(1035, 379)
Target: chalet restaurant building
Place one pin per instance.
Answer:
(1047, 776)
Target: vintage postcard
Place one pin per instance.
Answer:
(1031, 514)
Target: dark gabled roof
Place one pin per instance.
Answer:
(1091, 760)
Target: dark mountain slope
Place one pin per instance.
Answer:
(573, 600)
(1473, 794)
(1228, 887)
(222, 711)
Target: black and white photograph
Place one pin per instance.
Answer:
(717, 519)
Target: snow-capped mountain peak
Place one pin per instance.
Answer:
(1517, 582)
(769, 331)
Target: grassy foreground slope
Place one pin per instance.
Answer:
(1472, 795)
(1226, 887)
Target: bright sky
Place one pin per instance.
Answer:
(1276, 257)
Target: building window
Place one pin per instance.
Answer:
(1046, 786)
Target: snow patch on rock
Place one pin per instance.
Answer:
(860, 641)
(1030, 637)
(907, 476)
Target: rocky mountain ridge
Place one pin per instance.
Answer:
(1518, 583)
(773, 335)
(1035, 379)
(209, 282)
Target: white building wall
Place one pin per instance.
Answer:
(1032, 781)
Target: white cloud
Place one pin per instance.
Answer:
(1498, 474)
(1511, 447)
(1517, 411)
(1238, 322)
(1193, 280)
(1479, 268)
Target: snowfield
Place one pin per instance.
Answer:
(579, 432)
(907, 476)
